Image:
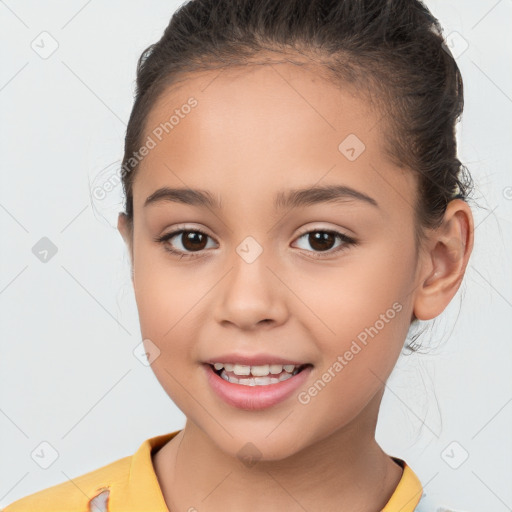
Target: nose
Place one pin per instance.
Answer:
(251, 296)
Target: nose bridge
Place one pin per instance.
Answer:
(250, 274)
(252, 292)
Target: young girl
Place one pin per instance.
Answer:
(294, 205)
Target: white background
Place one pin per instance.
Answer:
(69, 326)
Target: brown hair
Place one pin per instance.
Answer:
(391, 49)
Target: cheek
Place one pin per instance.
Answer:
(170, 302)
(167, 306)
(164, 294)
(355, 364)
(371, 287)
(362, 313)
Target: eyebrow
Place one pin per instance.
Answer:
(293, 198)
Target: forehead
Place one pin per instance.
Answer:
(275, 93)
(256, 128)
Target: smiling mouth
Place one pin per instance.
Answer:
(261, 375)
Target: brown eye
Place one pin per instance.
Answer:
(184, 241)
(193, 240)
(321, 240)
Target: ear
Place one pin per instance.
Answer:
(126, 229)
(444, 261)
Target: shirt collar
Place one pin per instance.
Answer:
(407, 493)
(141, 490)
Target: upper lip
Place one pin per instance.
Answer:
(252, 360)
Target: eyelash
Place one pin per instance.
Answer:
(318, 255)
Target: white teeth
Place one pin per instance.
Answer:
(263, 380)
(240, 369)
(233, 380)
(258, 370)
(255, 381)
(276, 368)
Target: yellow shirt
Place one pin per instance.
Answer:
(130, 484)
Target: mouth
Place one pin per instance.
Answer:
(256, 387)
(257, 375)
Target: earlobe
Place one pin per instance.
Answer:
(449, 249)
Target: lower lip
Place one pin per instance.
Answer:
(255, 397)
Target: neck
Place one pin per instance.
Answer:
(345, 471)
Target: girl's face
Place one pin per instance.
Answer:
(278, 275)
